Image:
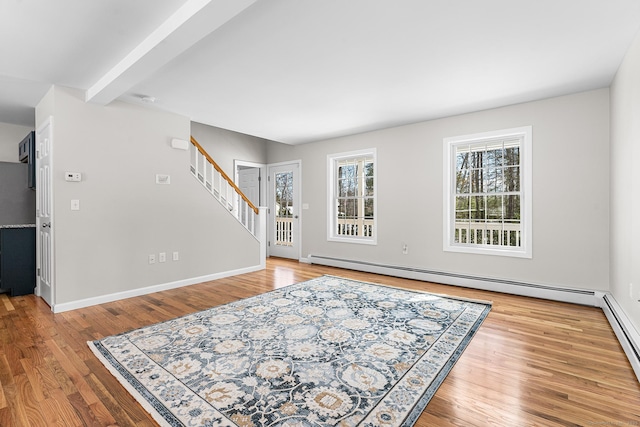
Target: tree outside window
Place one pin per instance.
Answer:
(488, 192)
(352, 197)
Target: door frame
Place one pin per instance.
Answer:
(297, 207)
(38, 292)
(263, 182)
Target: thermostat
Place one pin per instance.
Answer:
(73, 176)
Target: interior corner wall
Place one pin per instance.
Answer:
(124, 216)
(625, 185)
(226, 146)
(570, 193)
(10, 137)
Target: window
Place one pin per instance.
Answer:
(352, 197)
(487, 193)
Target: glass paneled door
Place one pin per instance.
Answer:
(284, 211)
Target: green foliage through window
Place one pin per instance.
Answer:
(354, 196)
(487, 192)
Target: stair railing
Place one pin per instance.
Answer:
(218, 183)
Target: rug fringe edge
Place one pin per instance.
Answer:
(132, 391)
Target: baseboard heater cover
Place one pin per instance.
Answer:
(627, 335)
(556, 293)
(625, 332)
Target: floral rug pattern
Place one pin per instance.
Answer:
(326, 352)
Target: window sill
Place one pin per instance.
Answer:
(357, 240)
(488, 250)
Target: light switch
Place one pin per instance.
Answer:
(75, 205)
(73, 176)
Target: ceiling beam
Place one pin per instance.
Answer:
(193, 21)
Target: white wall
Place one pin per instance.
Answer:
(625, 184)
(570, 193)
(225, 146)
(103, 248)
(10, 136)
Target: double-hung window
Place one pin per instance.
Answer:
(487, 193)
(352, 197)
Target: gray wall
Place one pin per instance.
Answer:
(625, 184)
(17, 201)
(570, 193)
(225, 146)
(124, 216)
(10, 136)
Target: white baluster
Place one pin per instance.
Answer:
(204, 171)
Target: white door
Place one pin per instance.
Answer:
(249, 183)
(44, 232)
(284, 210)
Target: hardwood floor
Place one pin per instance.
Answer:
(532, 363)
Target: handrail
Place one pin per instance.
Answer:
(224, 175)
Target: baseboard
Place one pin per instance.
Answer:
(625, 331)
(87, 302)
(556, 293)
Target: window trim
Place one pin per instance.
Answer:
(332, 160)
(449, 144)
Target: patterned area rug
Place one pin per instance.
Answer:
(326, 352)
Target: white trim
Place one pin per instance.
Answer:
(331, 219)
(262, 235)
(526, 251)
(535, 290)
(87, 302)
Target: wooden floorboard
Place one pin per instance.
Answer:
(532, 363)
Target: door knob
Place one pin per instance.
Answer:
(45, 225)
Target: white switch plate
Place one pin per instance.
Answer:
(73, 176)
(176, 256)
(305, 206)
(163, 179)
(152, 259)
(75, 205)
(162, 257)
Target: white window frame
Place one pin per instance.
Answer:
(332, 161)
(449, 188)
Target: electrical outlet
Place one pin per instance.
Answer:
(152, 259)
(405, 248)
(176, 256)
(162, 257)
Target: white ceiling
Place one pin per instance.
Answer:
(296, 71)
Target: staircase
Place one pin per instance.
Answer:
(225, 191)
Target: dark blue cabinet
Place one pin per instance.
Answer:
(27, 154)
(18, 260)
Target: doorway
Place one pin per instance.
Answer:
(44, 213)
(284, 210)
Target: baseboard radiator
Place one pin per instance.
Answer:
(577, 296)
(624, 330)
